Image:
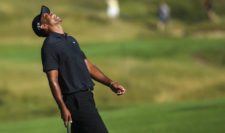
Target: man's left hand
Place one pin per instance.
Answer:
(117, 88)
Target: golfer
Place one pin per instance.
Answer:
(70, 75)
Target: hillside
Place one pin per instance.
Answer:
(87, 19)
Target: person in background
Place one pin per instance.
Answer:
(210, 11)
(113, 9)
(164, 15)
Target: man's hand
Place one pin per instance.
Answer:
(66, 116)
(57, 94)
(117, 88)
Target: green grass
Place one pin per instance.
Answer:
(190, 117)
(152, 71)
(209, 49)
(183, 117)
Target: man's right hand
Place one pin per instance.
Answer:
(53, 77)
(66, 116)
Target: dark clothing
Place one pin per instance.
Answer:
(84, 113)
(61, 52)
(209, 5)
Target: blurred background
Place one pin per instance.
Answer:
(169, 54)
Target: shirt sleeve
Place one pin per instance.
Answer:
(50, 58)
(83, 55)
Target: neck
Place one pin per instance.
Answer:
(57, 29)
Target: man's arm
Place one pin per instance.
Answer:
(99, 76)
(56, 92)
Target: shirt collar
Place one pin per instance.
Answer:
(58, 35)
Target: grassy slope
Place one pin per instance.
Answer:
(152, 71)
(87, 19)
(183, 117)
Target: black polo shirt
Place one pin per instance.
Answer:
(61, 52)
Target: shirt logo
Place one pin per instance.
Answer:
(74, 42)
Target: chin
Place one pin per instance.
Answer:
(59, 20)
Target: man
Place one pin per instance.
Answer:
(209, 5)
(113, 9)
(69, 73)
(164, 15)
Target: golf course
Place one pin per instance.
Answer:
(175, 79)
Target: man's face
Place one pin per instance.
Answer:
(50, 19)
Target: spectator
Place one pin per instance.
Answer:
(210, 12)
(113, 9)
(164, 15)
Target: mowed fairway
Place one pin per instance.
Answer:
(184, 117)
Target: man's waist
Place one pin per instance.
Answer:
(87, 89)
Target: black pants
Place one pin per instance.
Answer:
(86, 118)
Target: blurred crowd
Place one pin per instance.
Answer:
(163, 13)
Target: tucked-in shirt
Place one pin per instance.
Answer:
(62, 52)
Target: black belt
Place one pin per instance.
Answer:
(82, 90)
(85, 90)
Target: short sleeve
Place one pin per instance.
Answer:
(50, 58)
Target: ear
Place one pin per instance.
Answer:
(44, 27)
